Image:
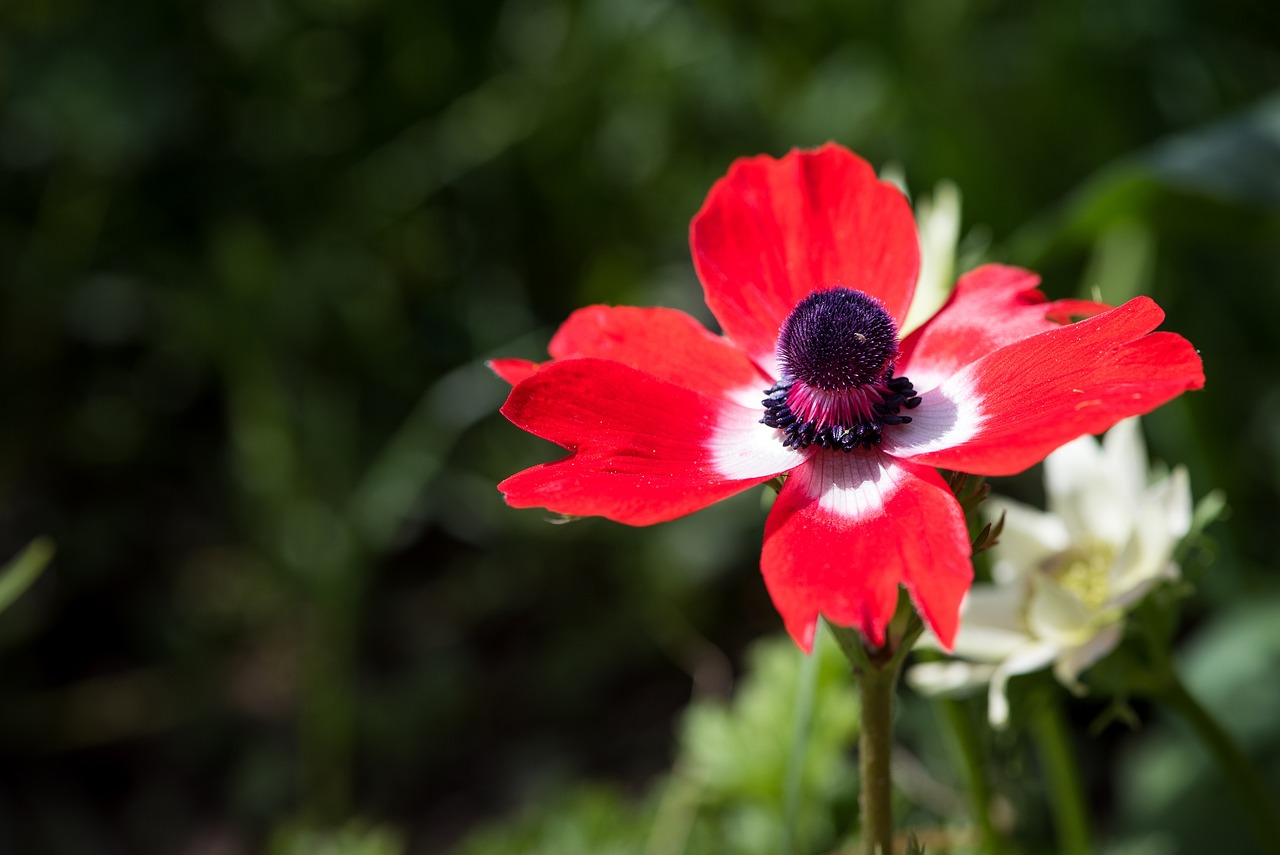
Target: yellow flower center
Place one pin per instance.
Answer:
(1085, 572)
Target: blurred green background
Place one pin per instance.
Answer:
(256, 251)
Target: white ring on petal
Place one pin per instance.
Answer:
(948, 415)
(742, 448)
(854, 485)
(752, 397)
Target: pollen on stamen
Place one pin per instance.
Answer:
(836, 351)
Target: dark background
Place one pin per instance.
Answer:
(254, 255)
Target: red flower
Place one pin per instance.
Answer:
(809, 264)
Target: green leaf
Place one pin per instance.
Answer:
(1232, 161)
(743, 753)
(22, 571)
(726, 794)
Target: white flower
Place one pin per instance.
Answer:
(1063, 579)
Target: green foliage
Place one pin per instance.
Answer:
(255, 253)
(726, 792)
(1170, 787)
(593, 820)
(740, 755)
(18, 575)
(353, 839)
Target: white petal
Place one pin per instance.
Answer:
(1029, 537)
(1174, 493)
(936, 678)
(1083, 488)
(742, 448)
(1125, 598)
(1145, 562)
(1033, 657)
(997, 607)
(751, 397)
(987, 643)
(854, 486)
(1069, 467)
(1070, 666)
(991, 625)
(949, 415)
(1126, 458)
(1162, 520)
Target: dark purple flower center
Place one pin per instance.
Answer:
(836, 353)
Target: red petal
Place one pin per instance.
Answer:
(666, 343)
(991, 307)
(1008, 410)
(772, 231)
(512, 370)
(847, 529)
(643, 449)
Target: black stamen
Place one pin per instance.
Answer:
(866, 433)
(836, 351)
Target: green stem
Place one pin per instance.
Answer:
(807, 682)
(877, 670)
(969, 745)
(1254, 797)
(875, 748)
(1065, 795)
(1165, 686)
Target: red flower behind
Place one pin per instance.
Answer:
(809, 264)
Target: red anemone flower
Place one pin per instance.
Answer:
(809, 264)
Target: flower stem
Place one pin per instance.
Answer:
(1254, 797)
(877, 670)
(1165, 686)
(1066, 799)
(969, 745)
(875, 748)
